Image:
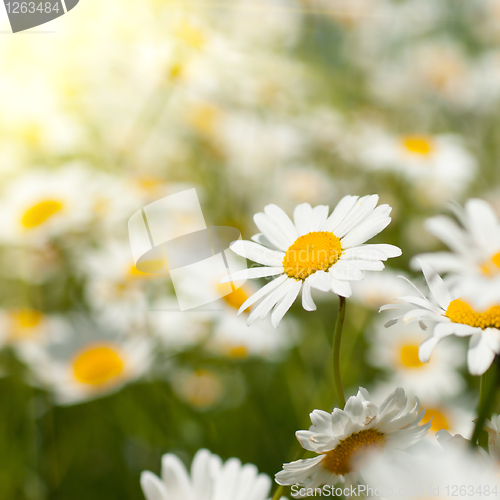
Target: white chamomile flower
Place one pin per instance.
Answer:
(493, 428)
(451, 315)
(438, 167)
(315, 251)
(474, 256)
(86, 365)
(343, 438)
(43, 204)
(396, 350)
(209, 479)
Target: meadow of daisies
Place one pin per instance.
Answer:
(355, 145)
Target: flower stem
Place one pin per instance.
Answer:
(277, 493)
(487, 393)
(337, 336)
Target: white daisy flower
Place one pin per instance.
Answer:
(474, 256)
(209, 479)
(315, 251)
(438, 168)
(451, 315)
(87, 365)
(343, 438)
(42, 204)
(397, 349)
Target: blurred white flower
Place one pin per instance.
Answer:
(437, 473)
(42, 204)
(451, 314)
(438, 168)
(345, 439)
(209, 479)
(396, 350)
(473, 262)
(316, 250)
(87, 364)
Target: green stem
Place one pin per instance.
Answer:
(487, 393)
(277, 493)
(337, 336)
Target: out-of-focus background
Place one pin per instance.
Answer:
(118, 104)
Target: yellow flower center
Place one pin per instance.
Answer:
(460, 312)
(23, 323)
(492, 266)
(233, 298)
(98, 365)
(238, 352)
(418, 145)
(409, 356)
(316, 251)
(39, 213)
(344, 458)
(439, 420)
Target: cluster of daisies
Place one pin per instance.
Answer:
(365, 443)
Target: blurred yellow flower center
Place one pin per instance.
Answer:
(439, 420)
(202, 389)
(491, 266)
(233, 298)
(23, 322)
(342, 459)
(419, 145)
(409, 356)
(97, 365)
(40, 212)
(238, 352)
(316, 251)
(191, 36)
(460, 312)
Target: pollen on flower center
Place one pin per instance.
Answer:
(460, 312)
(40, 212)
(416, 144)
(344, 457)
(316, 251)
(97, 365)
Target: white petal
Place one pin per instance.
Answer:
(318, 219)
(344, 270)
(283, 221)
(285, 304)
(344, 206)
(268, 302)
(257, 253)
(175, 477)
(482, 221)
(271, 231)
(268, 288)
(370, 227)
(368, 265)
(339, 287)
(447, 230)
(307, 300)
(361, 210)
(152, 487)
(436, 286)
(301, 216)
(479, 356)
(320, 280)
(254, 272)
(261, 240)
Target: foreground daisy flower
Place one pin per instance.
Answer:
(315, 251)
(474, 259)
(210, 479)
(451, 315)
(343, 438)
